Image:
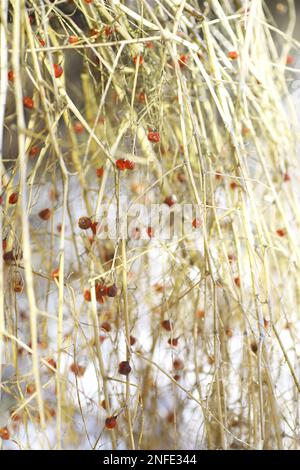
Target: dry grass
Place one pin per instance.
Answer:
(213, 81)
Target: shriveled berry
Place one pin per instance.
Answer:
(237, 281)
(77, 369)
(111, 422)
(254, 347)
(112, 291)
(45, 214)
(178, 364)
(30, 389)
(55, 274)
(84, 223)
(52, 362)
(173, 341)
(132, 340)
(124, 368)
(166, 324)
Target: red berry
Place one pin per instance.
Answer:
(42, 42)
(173, 341)
(286, 177)
(99, 172)
(233, 185)
(30, 389)
(13, 198)
(178, 364)
(129, 165)
(101, 290)
(84, 223)
(111, 422)
(150, 232)
(58, 70)
(124, 368)
(166, 324)
(34, 151)
(45, 214)
(55, 274)
(4, 434)
(154, 137)
(120, 164)
(142, 97)
(108, 30)
(281, 232)
(11, 76)
(196, 223)
(87, 295)
(233, 55)
(28, 102)
(183, 59)
(290, 60)
(170, 201)
(78, 127)
(94, 227)
(52, 362)
(138, 59)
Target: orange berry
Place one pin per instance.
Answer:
(233, 55)
(138, 59)
(73, 39)
(4, 434)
